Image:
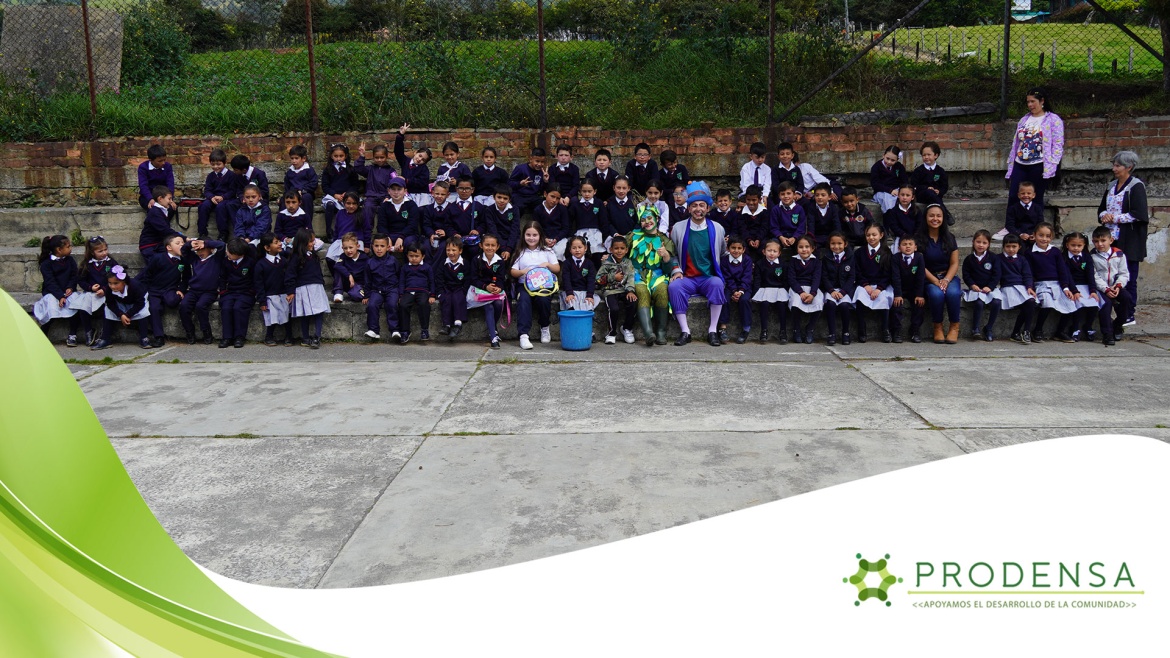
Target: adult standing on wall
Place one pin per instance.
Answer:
(1123, 209)
(1037, 148)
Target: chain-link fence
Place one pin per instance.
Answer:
(238, 66)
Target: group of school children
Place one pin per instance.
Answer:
(403, 243)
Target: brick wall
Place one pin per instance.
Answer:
(103, 171)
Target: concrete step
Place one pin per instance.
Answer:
(347, 321)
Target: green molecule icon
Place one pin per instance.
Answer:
(864, 591)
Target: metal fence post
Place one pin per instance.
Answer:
(772, 62)
(1007, 39)
(315, 117)
(540, 50)
(93, 112)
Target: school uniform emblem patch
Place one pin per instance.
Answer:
(596, 210)
(914, 269)
(631, 211)
(936, 177)
(987, 266)
(244, 272)
(795, 219)
(405, 214)
(459, 276)
(848, 268)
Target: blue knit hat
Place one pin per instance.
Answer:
(699, 191)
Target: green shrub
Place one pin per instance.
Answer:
(154, 48)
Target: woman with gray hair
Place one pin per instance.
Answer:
(1123, 209)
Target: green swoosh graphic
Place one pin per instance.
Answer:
(85, 568)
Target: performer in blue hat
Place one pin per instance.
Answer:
(700, 246)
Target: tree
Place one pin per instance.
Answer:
(1161, 9)
(292, 16)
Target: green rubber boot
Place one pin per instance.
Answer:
(644, 320)
(661, 319)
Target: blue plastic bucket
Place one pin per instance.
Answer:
(576, 330)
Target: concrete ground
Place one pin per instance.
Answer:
(365, 464)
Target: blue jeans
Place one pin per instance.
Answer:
(524, 305)
(935, 299)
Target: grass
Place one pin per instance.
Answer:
(241, 435)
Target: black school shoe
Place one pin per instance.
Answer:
(808, 337)
(915, 337)
(207, 339)
(683, 339)
(713, 339)
(845, 340)
(1039, 337)
(887, 338)
(426, 335)
(314, 343)
(158, 341)
(831, 340)
(897, 338)
(455, 331)
(742, 338)
(764, 335)
(723, 336)
(225, 343)
(191, 339)
(145, 343)
(239, 342)
(405, 338)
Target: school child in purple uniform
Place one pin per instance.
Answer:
(488, 177)
(620, 215)
(825, 216)
(981, 273)
(463, 220)
(490, 275)
(378, 174)
(1080, 269)
(156, 227)
(269, 272)
(398, 217)
(804, 289)
(528, 181)
(351, 271)
(903, 219)
(585, 220)
(671, 173)
(876, 284)
(503, 220)
(301, 177)
(838, 282)
(1052, 281)
(292, 218)
(641, 170)
(770, 282)
(603, 175)
(153, 173)
(554, 218)
(165, 277)
(125, 307)
(92, 286)
(737, 283)
(789, 220)
(217, 188)
(1023, 217)
(238, 291)
(205, 261)
(414, 169)
(452, 280)
(338, 178)
(723, 213)
(564, 175)
(432, 218)
(253, 219)
(305, 288)
(578, 277)
(753, 222)
(382, 275)
(1016, 287)
(910, 273)
(243, 175)
(452, 169)
(59, 282)
(855, 218)
(930, 180)
(350, 220)
(886, 176)
(416, 288)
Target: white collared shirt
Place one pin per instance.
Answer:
(759, 210)
(452, 264)
(298, 213)
(1036, 248)
(304, 166)
(735, 261)
(272, 257)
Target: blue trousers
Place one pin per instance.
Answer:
(235, 309)
(200, 302)
(158, 302)
(744, 306)
(936, 299)
(378, 301)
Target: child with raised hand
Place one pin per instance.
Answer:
(398, 216)
(270, 289)
(642, 170)
(738, 272)
(301, 178)
(166, 276)
(126, 306)
(414, 169)
(205, 260)
(585, 221)
(291, 219)
(533, 253)
(981, 273)
(528, 181)
(92, 282)
(156, 227)
(377, 174)
(501, 219)
(1079, 325)
(1052, 281)
(452, 282)
(349, 273)
(382, 278)
(488, 177)
(416, 289)
(930, 180)
(826, 219)
(886, 176)
(838, 282)
(617, 280)
(804, 289)
(238, 291)
(770, 282)
(855, 218)
(910, 276)
(1110, 276)
(253, 219)
(307, 299)
(603, 176)
(754, 223)
(338, 180)
(490, 275)
(564, 175)
(903, 219)
(1015, 288)
(789, 221)
(59, 282)
(452, 169)
(578, 277)
(876, 285)
(217, 188)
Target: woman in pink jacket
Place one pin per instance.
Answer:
(1037, 147)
